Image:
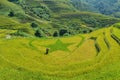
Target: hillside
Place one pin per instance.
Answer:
(59, 40)
(52, 16)
(107, 7)
(92, 56)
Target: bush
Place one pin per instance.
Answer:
(90, 31)
(62, 32)
(11, 14)
(34, 25)
(55, 34)
(39, 33)
(84, 31)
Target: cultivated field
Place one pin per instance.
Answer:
(93, 56)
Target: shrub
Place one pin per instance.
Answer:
(84, 31)
(39, 33)
(62, 32)
(90, 30)
(11, 14)
(34, 25)
(55, 34)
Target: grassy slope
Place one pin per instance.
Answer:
(63, 15)
(26, 59)
(7, 6)
(12, 24)
(87, 18)
(59, 6)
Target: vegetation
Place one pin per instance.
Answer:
(55, 34)
(25, 59)
(34, 25)
(11, 14)
(41, 14)
(107, 7)
(80, 45)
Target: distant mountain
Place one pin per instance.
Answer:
(107, 7)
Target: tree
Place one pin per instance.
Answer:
(39, 33)
(55, 34)
(34, 25)
(62, 32)
(11, 14)
(90, 30)
(84, 31)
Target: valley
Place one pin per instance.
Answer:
(59, 40)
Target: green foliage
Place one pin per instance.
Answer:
(39, 33)
(34, 25)
(106, 7)
(117, 25)
(59, 6)
(35, 9)
(90, 19)
(62, 32)
(11, 14)
(55, 34)
(116, 14)
(54, 15)
(83, 5)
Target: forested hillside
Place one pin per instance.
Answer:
(51, 17)
(107, 7)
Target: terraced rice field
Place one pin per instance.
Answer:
(93, 56)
